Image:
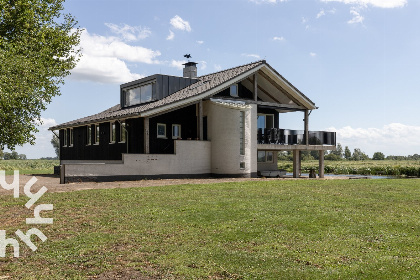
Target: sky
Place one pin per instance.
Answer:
(358, 60)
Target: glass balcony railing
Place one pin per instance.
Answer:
(281, 136)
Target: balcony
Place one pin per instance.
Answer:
(288, 137)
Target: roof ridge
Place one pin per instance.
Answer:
(229, 69)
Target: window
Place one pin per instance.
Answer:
(96, 134)
(65, 138)
(242, 133)
(138, 95)
(161, 130)
(242, 165)
(71, 137)
(122, 132)
(234, 90)
(265, 121)
(176, 131)
(265, 156)
(89, 135)
(112, 132)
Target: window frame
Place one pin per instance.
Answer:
(71, 137)
(139, 94)
(266, 156)
(112, 133)
(242, 121)
(123, 131)
(65, 137)
(97, 134)
(179, 131)
(89, 135)
(157, 131)
(236, 92)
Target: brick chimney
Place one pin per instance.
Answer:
(190, 70)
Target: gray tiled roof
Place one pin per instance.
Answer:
(205, 83)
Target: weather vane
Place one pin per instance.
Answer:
(188, 56)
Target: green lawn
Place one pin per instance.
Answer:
(296, 229)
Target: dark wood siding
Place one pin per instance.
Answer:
(82, 151)
(186, 117)
(135, 129)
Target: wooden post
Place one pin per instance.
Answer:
(321, 164)
(200, 120)
(146, 136)
(296, 163)
(255, 87)
(63, 174)
(307, 127)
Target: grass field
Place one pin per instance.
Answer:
(367, 167)
(296, 229)
(29, 166)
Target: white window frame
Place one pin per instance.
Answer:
(265, 120)
(71, 137)
(89, 135)
(123, 132)
(266, 157)
(179, 129)
(65, 137)
(112, 132)
(157, 131)
(97, 136)
(236, 92)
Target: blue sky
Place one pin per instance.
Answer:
(358, 60)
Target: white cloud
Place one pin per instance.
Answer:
(391, 139)
(374, 3)
(312, 54)
(171, 35)
(203, 65)
(130, 33)
(200, 42)
(217, 67)
(104, 59)
(178, 23)
(357, 17)
(256, 56)
(177, 64)
(320, 14)
(281, 38)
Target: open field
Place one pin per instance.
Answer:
(29, 166)
(277, 229)
(364, 167)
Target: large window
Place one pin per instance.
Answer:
(265, 121)
(265, 156)
(138, 95)
(112, 132)
(122, 132)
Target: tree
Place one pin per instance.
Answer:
(37, 50)
(338, 153)
(359, 155)
(378, 156)
(12, 155)
(347, 153)
(56, 144)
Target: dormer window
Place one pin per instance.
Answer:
(234, 90)
(138, 95)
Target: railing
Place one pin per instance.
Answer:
(294, 137)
